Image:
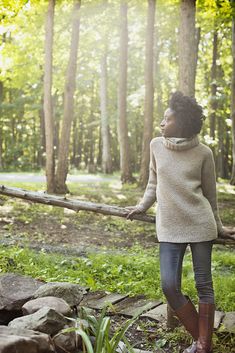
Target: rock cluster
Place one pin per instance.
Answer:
(36, 312)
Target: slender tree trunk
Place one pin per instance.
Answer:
(232, 181)
(80, 142)
(126, 174)
(91, 140)
(48, 111)
(106, 150)
(1, 132)
(227, 152)
(213, 103)
(187, 47)
(70, 85)
(221, 159)
(74, 134)
(157, 77)
(198, 38)
(149, 94)
(42, 148)
(99, 155)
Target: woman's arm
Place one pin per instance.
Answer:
(209, 188)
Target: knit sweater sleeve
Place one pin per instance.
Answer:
(209, 187)
(149, 196)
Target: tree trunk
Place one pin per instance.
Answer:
(70, 85)
(47, 104)
(187, 47)
(126, 174)
(221, 147)
(213, 102)
(42, 149)
(232, 181)
(149, 94)
(106, 150)
(91, 140)
(1, 132)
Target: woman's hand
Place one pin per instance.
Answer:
(227, 233)
(132, 210)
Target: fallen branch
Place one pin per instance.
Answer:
(48, 199)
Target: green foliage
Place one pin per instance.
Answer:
(100, 329)
(134, 272)
(22, 70)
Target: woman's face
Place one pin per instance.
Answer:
(169, 126)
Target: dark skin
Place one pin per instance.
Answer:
(170, 128)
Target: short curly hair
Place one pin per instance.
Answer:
(188, 113)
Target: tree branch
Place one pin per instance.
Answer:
(48, 199)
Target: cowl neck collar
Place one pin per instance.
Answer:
(180, 143)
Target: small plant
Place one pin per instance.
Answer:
(97, 335)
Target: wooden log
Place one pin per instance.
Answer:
(76, 205)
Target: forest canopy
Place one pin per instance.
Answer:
(97, 93)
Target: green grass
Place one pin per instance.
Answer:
(136, 272)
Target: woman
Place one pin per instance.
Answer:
(182, 181)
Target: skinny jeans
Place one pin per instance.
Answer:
(171, 260)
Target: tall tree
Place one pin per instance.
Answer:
(213, 101)
(126, 174)
(47, 105)
(232, 181)
(149, 94)
(187, 47)
(106, 148)
(70, 85)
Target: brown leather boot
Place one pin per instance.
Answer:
(206, 326)
(188, 316)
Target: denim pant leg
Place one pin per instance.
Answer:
(201, 255)
(171, 258)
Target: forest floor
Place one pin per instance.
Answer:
(55, 226)
(59, 230)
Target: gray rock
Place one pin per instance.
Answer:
(159, 313)
(17, 340)
(15, 290)
(218, 318)
(67, 342)
(228, 323)
(44, 320)
(16, 344)
(70, 292)
(58, 304)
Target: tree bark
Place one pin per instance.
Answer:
(126, 174)
(42, 150)
(187, 47)
(1, 132)
(221, 150)
(232, 181)
(70, 85)
(106, 150)
(47, 102)
(91, 140)
(149, 94)
(213, 102)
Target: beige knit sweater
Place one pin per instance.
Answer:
(182, 181)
